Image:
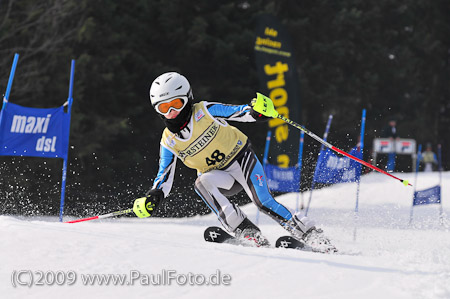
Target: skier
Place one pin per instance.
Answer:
(198, 134)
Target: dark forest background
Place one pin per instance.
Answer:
(390, 57)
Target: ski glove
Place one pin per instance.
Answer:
(146, 206)
(258, 116)
(264, 106)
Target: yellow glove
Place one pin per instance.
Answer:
(264, 105)
(146, 206)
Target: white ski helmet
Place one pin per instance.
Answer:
(169, 86)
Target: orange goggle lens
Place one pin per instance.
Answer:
(176, 104)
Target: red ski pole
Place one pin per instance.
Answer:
(328, 145)
(102, 216)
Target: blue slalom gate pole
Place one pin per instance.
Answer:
(441, 211)
(10, 82)
(64, 171)
(440, 163)
(266, 149)
(419, 157)
(11, 78)
(313, 183)
(299, 165)
(265, 160)
(361, 149)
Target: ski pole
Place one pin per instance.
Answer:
(328, 145)
(117, 213)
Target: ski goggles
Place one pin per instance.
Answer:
(175, 104)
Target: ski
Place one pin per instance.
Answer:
(216, 234)
(289, 242)
(321, 244)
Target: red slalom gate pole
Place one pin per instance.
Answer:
(123, 212)
(328, 145)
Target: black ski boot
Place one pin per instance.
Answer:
(248, 231)
(315, 238)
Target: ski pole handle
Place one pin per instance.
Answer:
(117, 213)
(328, 145)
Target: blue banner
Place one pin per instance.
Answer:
(332, 169)
(427, 196)
(34, 132)
(283, 179)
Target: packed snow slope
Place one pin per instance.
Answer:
(388, 259)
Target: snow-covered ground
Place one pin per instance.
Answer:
(388, 259)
